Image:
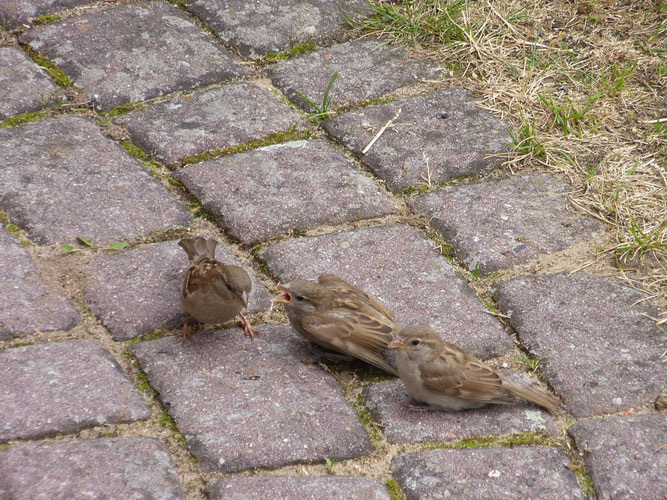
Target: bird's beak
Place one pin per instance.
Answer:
(397, 343)
(283, 298)
(244, 298)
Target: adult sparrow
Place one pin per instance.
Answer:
(445, 376)
(212, 292)
(340, 318)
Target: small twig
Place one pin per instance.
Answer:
(377, 136)
(428, 172)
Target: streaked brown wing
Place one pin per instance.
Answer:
(350, 296)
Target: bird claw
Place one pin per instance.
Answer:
(184, 334)
(247, 327)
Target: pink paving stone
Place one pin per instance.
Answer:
(401, 268)
(138, 291)
(28, 305)
(63, 387)
(243, 404)
(300, 184)
(124, 467)
(596, 339)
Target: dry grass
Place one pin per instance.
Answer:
(582, 85)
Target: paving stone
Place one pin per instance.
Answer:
(600, 347)
(124, 467)
(519, 472)
(28, 304)
(446, 127)
(207, 120)
(386, 401)
(244, 404)
(132, 53)
(24, 86)
(138, 291)
(64, 387)
(305, 488)
(14, 13)
(401, 268)
(392, 67)
(625, 456)
(256, 28)
(298, 184)
(500, 223)
(79, 183)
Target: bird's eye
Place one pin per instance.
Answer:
(415, 342)
(229, 287)
(299, 298)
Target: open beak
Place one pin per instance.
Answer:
(283, 298)
(397, 343)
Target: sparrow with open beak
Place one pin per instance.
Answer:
(340, 318)
(212, 292)
(445, 376)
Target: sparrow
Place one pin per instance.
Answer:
(340, 318)
(445, 376)
(212, 292)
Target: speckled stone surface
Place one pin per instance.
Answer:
(63, 387)
(101, 468)
(499, 223)
(31, 306)
(600, 352)
(392, 67)
(386, 402)
(133, 53)
(79, 183)
(304, 488)
(13, 13)
(400, 267)
(24, 86)
(518, 472)
(300, 184)
(625, 456)
(208, 120)
(138, 291)
(258, 27)
(447, 127)
(243, 404)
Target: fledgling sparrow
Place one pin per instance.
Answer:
(445, 376)
(212, 292)
(340, 318)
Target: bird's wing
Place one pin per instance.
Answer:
(350, 296)
(358, 335)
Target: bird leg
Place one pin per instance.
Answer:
(184, 335)
(418, 407)
(247, 328)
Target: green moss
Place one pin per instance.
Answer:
(168, 423)
(157, 334)
(175, 182)
(23, 344)
(135, 151)
(411, 190)
(56, 73)
(124, 108)
(46, 19)
(298, 49)
(142, 384)
(395, 491)
(519, 439)
(3, 446)
(366, 419)
(22, 119)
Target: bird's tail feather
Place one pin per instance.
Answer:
(198, 248)
(532, 394)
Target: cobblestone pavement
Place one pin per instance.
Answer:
(97, 395)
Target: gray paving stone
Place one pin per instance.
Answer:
(256, 28)
(500, 223)
(124, 467)
(386, 401)
(63, 387)
(79, 183)
(207, 120)
(446, 127)
(600, 350)
(28, 304)
(400, 267)
(138, 291)
(305, 488)
(298, 184)
(391, 67)
(244, 404)
(24, 86)
(133, 52)
(519, 472)
(14, 13)
(626, 456)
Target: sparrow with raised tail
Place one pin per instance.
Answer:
(212, 292)
(445, 376)
(340, 318)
